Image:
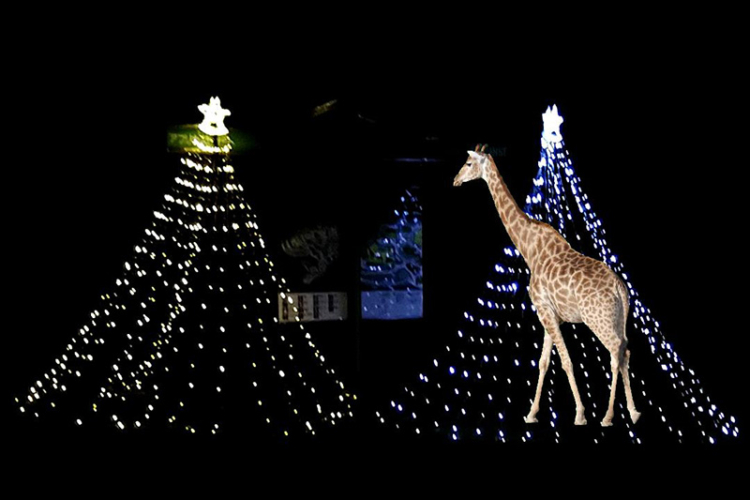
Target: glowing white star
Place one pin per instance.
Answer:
(213, 118)
(552, 121)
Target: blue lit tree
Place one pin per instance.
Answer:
(482, 385)
(188, 338)
(391, 272)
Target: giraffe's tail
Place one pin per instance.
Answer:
(624, 297)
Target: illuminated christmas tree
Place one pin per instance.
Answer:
(188, 339)
(481, 387)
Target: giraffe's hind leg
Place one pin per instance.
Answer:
(616, 355)
(634, 414)
(603, 304)
(615, 340)
(612, 335)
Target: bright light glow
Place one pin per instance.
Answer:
(213, 118)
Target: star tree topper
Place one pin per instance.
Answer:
(552, 121)
(213, 118)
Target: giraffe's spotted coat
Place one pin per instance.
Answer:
(565, 286)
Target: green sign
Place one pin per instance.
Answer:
(189, 139)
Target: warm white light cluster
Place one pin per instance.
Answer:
(167, 341)
(205, 148)
(213, 118)
(489, 373)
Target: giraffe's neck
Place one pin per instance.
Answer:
(516, 222)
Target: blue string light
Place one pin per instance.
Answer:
(661, 383)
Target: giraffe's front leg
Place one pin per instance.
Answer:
(552, 325)
(543, 366)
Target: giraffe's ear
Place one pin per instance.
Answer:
(474, 155)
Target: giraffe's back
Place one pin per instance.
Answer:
(577, 287)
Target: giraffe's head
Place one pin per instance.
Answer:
(475, 167)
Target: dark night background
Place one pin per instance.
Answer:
(657, 137)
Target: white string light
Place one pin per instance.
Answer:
(192, 300)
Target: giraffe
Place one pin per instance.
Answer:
(565, 286)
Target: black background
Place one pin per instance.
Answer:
(656, 133)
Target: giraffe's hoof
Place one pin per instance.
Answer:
(635, 415)
(581, 421)
(530, 420)
(607, 422)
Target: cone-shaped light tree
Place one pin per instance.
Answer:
(482, 386)
(188, 338)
